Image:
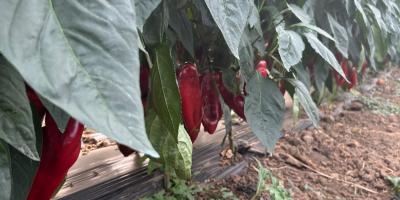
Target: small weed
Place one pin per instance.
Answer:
(276, 191)
(379, 105)
(396, 186)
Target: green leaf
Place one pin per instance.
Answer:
(182, 26)
(231, 18)
(290, 48)
(143, 10)
(229, 80)
(61, 117)
(350, 7)
(379, 19)
(246, 55)
(206, 17)
(362, 59)
(156, 25)
(381, 46)
(264, 109)
(361, 17)
(16, 126)
(165, 90)
(354, 47)
(254, 20)
(314, 28)
(303, 75)
(324, 52)
(321, 72)
(23, 169)
(5, 173)
(340, 34)
(175, 153)
(92, 73)
(300, 13)
(305, 99)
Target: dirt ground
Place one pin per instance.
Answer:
(350, 157)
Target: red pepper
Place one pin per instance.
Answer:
(352, 78)
(60, 151)
(282, 88)
(32, 96)
(235, 102)
(339, 79)
(212, 111)
(364, 67)
(262, 68)
(144, 80)
(189, 87)
(311, 68)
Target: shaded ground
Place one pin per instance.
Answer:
(357, 147)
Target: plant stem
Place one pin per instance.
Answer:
(167, 178)
(231, 141)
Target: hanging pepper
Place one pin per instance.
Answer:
(364, 67)
(212, 111)
(282, 88)
(235, 102)
(352, 78)
(260, 67)
(311, 68)
(339, 79)
(60, 151)
(189, 88)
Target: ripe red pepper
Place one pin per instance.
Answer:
(282, 88)
(212, 111)
(60, 151)
(189, 88)
(311, 68)
(339, 79)
(352, 78)
(262, 68)
(235, 102)
(364, 67)
(144, 80)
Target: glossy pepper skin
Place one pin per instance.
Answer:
(212, 111)
(352, 76)
(60, 151)
(235, 102)
(189, 88)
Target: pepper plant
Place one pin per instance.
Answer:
(84, 58)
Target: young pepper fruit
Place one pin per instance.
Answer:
(212, 111)
(189, 88)
(60, 151)
(235, 102)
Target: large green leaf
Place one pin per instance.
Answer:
(305, 100)
(264, 109)
(303, 75)
(324, 52)
(378, 18)
(231, 17)
(381, 45)
(156, 25)
(82, 56)
(143, 10)
(175, 153)
(165, 92)
(16, 126)
(5, 173)
(182, 26)
(361, 17)
(60, 116)
(300, 13)
(23, 169)
(246, 55)
(314, 28)
(321, 72)
(290, 48)
(340, 34)
(254, 20)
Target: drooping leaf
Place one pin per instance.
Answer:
(300, 13)
(91, 73)
(5, 173)
(308, 8)
(179, 21)
(61, 117)
(314, 28)
(175, 153)
(206, 16)
(350, 7)
(381, 45)
(16, 126)
(229, 80)
(361, 17)
(354, 47)
(305, 99)
(257, 41)
(321, 72)
(231, 18)
(378, 18)
(340, 34)
(254, 19)
(143, 10)
(264, 109)
(362, 59)
(165, 90)
(303, 75)
(324, 52)
(290, 48)
(246, 55)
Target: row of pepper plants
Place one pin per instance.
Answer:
(148, 73)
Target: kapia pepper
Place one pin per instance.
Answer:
(59, 153)
(235, 102)
(212, 111)
(189, 88)
(260, 67)
(352, 76)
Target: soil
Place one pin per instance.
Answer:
(90, 143)
(355, 149)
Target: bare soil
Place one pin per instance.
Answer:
(356, 148)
